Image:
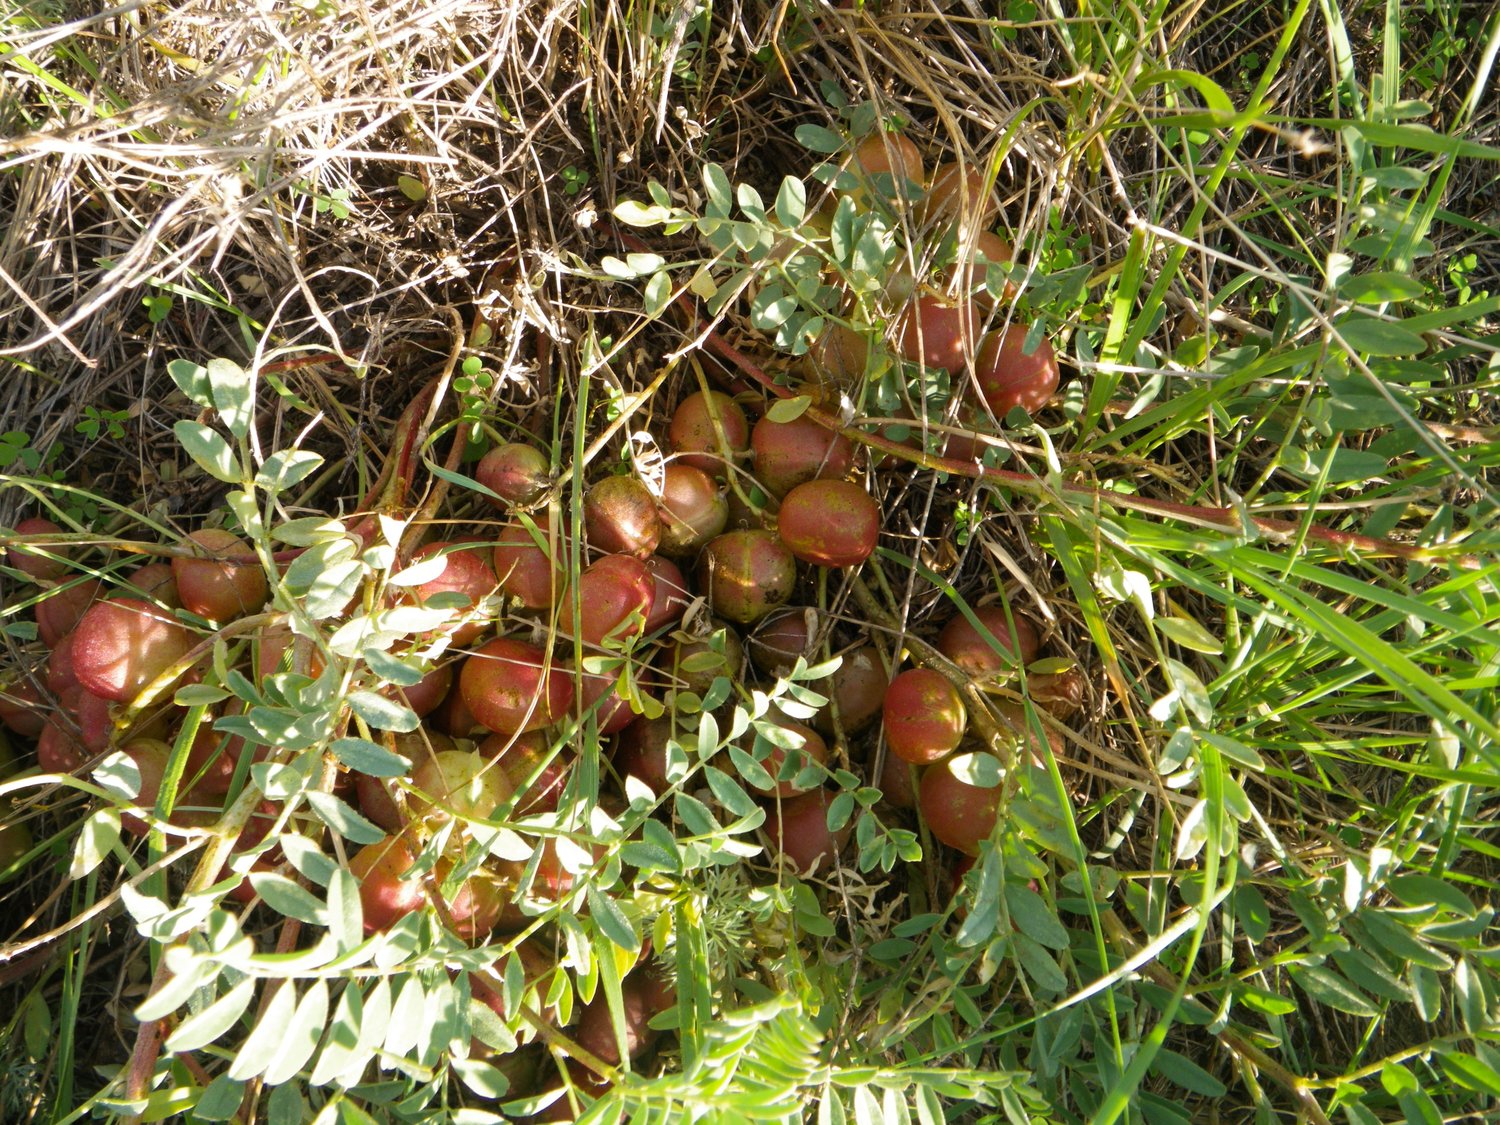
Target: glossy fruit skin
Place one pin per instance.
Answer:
(798, 828)
(691, 431)
(122, 645)
(516, 472)
(29, 561)
(385, 896)
(620, 517)
(214, 587)
(961, 643)
(813, 749)
(21, 707)
(829, 523)
(466, 571)
(670, 597)
(693, 510)
(272, 655)
(615, 595)
(509, 687)
(897, 782)
(213, 759)
(857, 688)
(150, 757)
(924, 716)
(1007, 376)
(424, 696)
(957, 813)
(531, 575)
(790, 453)
(936, 333)
(641, 751)
(64, 607)
(747, 574)
(957, 192)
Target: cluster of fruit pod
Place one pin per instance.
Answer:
(955, 313)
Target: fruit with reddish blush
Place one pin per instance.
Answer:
(959, 814)
(529, 564)
(510, 686)
(970, 270)
(40, 563)
(782, 637)
(595, 1032)
(620, 517)
(890, 154)
(807, 747)
(641, 751)
(790, 453)
(669, 593)
(21, 706)
(1007, 375)
(747, 574)
(59, 613)
(840, 355)
(924, 716)
(424, 696)
(958, 192)
(694, 431)
(536, 775)
(384, 894)
(226, 582)
(798, 828)
(693, 663)
(936, 333)
(150, 757)
(465, 571)
(599, 693)
(976, 654)
(855, 691)
(829, 523)
(693, 510)
(615, 595)
(517, 473)
(154, 582)
(897, 782)
(123, 645)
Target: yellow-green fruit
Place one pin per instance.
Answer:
(15, 838)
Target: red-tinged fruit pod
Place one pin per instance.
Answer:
(747, 574)
(937, 333)
(510, 686)
(615, 596)
(798, 828)
(620, 517)
(693, 510)
(123, 645)
(790, 453)
(1007, 375)
(959, 814)
(515, 472)
(226, 583)
(829, 523)
(924, 716)
(693, 432)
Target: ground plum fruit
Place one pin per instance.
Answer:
(958, 192)
(122, 645)
(526, 570)
(615, 596)
(669, 593)
(790, 453)
(509, 687)
(41, 563)
(957, 813)
(692, 432)
(226, 582)
(747, 574)
(798, 828)
(829, 523)
(937, 333)
(466, 571)
(385, 896)
(620, 517)
(693, 510)
(924, 716)
(1008, 376)
(515, 472)
(972, 651)
(856, 690)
